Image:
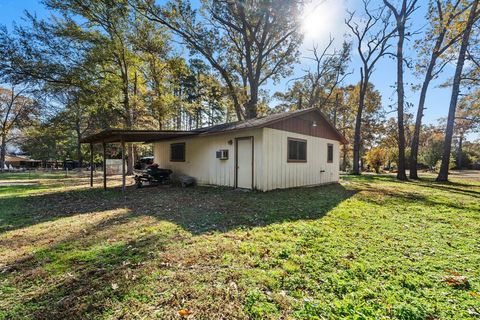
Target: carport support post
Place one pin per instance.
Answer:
(104, 165)
(123, 166)
(91, 164)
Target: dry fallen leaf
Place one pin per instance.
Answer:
(350, 256)
(184, 312)
(456, 280)
(114, 286)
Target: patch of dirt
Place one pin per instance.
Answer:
(468, 174)
(17, 183)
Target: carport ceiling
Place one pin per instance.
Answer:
(118, 135)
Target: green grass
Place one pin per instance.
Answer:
(31, 175)
(368, 248)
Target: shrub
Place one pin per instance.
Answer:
(376, 157)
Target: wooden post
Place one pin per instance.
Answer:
(123, 166)
(91, 164)
(104, 165)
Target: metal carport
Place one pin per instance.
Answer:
(123, 136)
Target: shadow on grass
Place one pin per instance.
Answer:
(84, 275)
(98, 266)
(388, 195)
(19, 209)
(454, 187)
(93, 282)
(198, 210)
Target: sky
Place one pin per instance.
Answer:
(322, 19)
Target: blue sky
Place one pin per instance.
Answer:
(324, 18)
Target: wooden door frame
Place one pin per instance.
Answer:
(252, 139)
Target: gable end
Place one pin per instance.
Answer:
(310, 124)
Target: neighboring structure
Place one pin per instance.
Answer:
(284, 150)
(16, 162)
(114, 166)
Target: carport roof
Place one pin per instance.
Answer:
(119, 135)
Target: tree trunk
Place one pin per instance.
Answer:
(251, 105)
(79, 146)
(459, 152)
(418, 127)
(335, 111)
(79, 154)
(358, 125)
(356, 141)
(421, 108)
(344, 161)
(421, 103)
(401, 175)
(128, 123)
(3, 151)
(447, 148)
(130, 159)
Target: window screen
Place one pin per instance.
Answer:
(177, 152)
(330, 153)
(297, 150)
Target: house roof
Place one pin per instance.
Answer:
(12, 158)
(117, 135)
(249, 124)
(261, 122)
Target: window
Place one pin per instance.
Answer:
(177, 152)
(297, 150)
(330, 153)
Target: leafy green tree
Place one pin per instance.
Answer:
(17, 110)
(48, 140)
(432, 152)
(467, 120)
(53, 58)
(248, 43)
(441, 35)
(472, 17)
(376, 157)
(110, 27)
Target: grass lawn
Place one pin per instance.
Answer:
(370, 247)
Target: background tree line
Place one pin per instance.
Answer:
(138, 64)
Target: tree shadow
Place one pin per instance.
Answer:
(89, 282)
(99, 267)
(453, 187)
(198, 209)
(366, 183)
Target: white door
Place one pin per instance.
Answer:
(244, 157)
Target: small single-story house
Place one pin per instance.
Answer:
(284, 150)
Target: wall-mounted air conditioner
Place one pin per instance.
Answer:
(222, 154)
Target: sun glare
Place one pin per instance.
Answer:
(321, 19)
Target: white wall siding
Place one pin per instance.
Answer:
(282, 174)
(271, 169)
(200, 158)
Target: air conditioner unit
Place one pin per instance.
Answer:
(222, 154)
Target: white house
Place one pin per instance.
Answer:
(293, 149)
